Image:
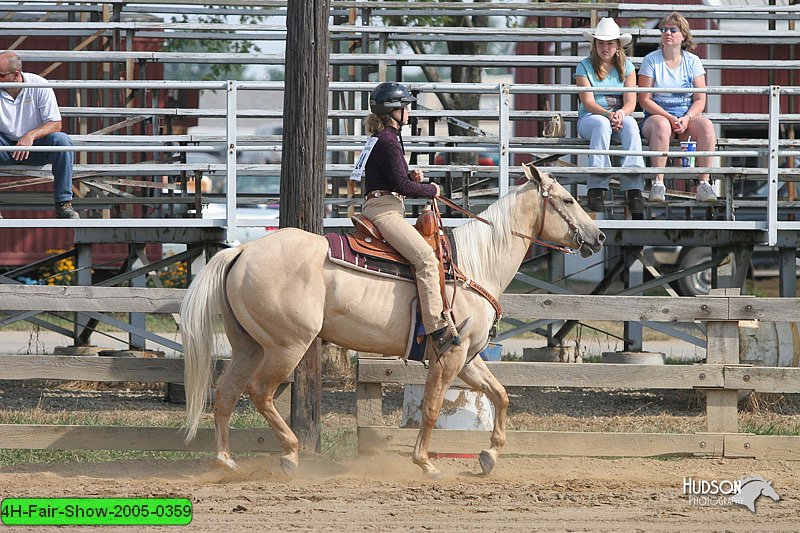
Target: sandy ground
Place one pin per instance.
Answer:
(388, 494)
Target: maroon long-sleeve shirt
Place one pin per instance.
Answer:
(387, 170)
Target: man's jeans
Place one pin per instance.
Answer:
(61, 161)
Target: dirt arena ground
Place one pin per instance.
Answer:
(388, 494)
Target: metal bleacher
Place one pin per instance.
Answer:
(131, 152)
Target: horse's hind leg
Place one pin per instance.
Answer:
(262, 392)
(440, 376)
(478, 376)
(246, 357)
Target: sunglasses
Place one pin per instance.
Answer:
(671, 29)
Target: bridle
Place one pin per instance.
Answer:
(459, 276)
(546, 201)
(576, 232)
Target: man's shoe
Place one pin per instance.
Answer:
(705, 193)
(596, 197)
(658, 193)
(635, 203)
(65, 210)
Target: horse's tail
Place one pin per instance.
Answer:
(200, 310)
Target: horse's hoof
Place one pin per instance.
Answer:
(433, 474)
(288, 466)
(429, 471)
(228, 463)
(487, 461)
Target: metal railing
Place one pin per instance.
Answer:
(499, 140)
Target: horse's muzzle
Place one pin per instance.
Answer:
(592, 246)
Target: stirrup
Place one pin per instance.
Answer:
(442, 340)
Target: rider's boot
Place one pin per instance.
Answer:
(443, 339)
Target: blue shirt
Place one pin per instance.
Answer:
(655, 66)
(612, 100)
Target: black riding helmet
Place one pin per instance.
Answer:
(389, 96)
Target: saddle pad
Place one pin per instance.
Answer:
(340, 252)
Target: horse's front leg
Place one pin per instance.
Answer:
(478, 376)
(440, 376)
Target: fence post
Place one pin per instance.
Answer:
(722, 348)
(230, 161)
(369, 406)
(504, 138)
(772, 164)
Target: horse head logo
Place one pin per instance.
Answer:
(752, 488)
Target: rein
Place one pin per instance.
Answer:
(459, 276)
(456, 272)
(449, 203)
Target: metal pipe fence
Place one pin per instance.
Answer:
(497, 125)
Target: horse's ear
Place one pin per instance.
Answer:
(532, 173)
(536, 176)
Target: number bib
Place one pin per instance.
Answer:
(358, 170)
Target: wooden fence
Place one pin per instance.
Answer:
(721, 377)
(92, 368)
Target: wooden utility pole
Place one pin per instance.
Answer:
(305, 112)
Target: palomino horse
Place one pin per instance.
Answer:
(278, 293)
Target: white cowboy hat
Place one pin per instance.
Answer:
(607, 30)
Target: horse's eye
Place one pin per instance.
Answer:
(569, 201)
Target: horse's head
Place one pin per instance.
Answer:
(759, 486)
(752, 488)
(768, 491)
(563, 220)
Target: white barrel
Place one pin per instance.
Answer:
(462, 409)
(769, 343)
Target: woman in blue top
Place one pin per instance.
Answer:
(603, 115)
(669, 115)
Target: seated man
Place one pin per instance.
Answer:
(30, 117)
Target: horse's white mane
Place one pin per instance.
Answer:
(478, 243)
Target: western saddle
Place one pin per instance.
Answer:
(367, 239)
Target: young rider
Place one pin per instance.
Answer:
(387, 182)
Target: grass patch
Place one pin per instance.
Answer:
(157, 323)
(338, 439)
(23, 457)
(664, 423)
(756, 425)
(339, 443)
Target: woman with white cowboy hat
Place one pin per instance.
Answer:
(668, 115)
(606, 114)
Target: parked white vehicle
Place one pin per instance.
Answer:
(251, 222)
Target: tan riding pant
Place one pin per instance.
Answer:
(387, 213)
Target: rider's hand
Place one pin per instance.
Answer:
(437, 189)
(416, 175)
